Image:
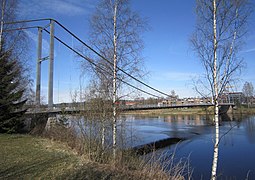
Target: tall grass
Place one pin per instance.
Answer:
(151, 166)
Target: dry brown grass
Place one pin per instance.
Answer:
(128, 166)
(98, 160)
(28, 157)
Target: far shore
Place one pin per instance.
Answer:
(189, 111)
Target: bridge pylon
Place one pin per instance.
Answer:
(38, 68)
(51, 66)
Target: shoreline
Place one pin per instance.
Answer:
(188, 111)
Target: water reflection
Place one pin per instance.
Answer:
(236, 150)
(237, 144)
(250, 129)
(193, 120)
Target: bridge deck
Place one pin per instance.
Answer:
(123, 108)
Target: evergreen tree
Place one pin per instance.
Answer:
(11, 95)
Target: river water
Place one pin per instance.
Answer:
(236, 150)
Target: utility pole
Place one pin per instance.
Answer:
(38, 68)
(51, 63)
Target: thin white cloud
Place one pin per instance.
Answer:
(49, 8)
(62, 97)
(175, 76)
(249, 50)
(63, 7)
(248, 78)
(34, 37)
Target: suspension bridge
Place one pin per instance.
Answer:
(51, 108)
(51, 23)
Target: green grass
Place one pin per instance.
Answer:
(172, 111)
(28, 157)
(244, 110)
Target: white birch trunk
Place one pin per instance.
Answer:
(103, 131)
(114, 133)
(216, 103)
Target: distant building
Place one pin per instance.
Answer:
(131, 103)
(232, 97)
(252, 100)
(171, 100)
(228, 97)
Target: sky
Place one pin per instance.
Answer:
(168, 56)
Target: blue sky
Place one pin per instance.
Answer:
(168, 56)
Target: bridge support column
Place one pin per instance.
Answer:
(38, 68)
(51, 63)
(230, 109)
(51, 122)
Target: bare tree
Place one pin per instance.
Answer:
(115, 34)
(13, 79)
(173, 94)
(15, 41)
(221, 24)
(248, 92)
(2, 21)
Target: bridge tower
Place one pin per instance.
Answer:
(38, 68)
(51, 66)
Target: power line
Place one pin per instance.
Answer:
(90, 61)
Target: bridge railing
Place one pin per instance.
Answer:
(68, 108)
(186, 105)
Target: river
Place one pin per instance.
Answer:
(236, 150)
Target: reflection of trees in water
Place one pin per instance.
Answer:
(237, 121)
(225, 117)
(227, 134)
(187, 125)
(189, 119)
(128, 134)
(250, 128)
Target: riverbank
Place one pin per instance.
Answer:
(188, 111)
(29, 157)
(244, 110)
(172, 111)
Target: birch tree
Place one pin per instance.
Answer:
(248, 92)
(221, 24)
(2, 22)
(15, 41)
(115, 32)
(13, 79)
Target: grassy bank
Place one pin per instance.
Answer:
(28, 157)
(173, 111)
(244, 110)
(189, 111)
